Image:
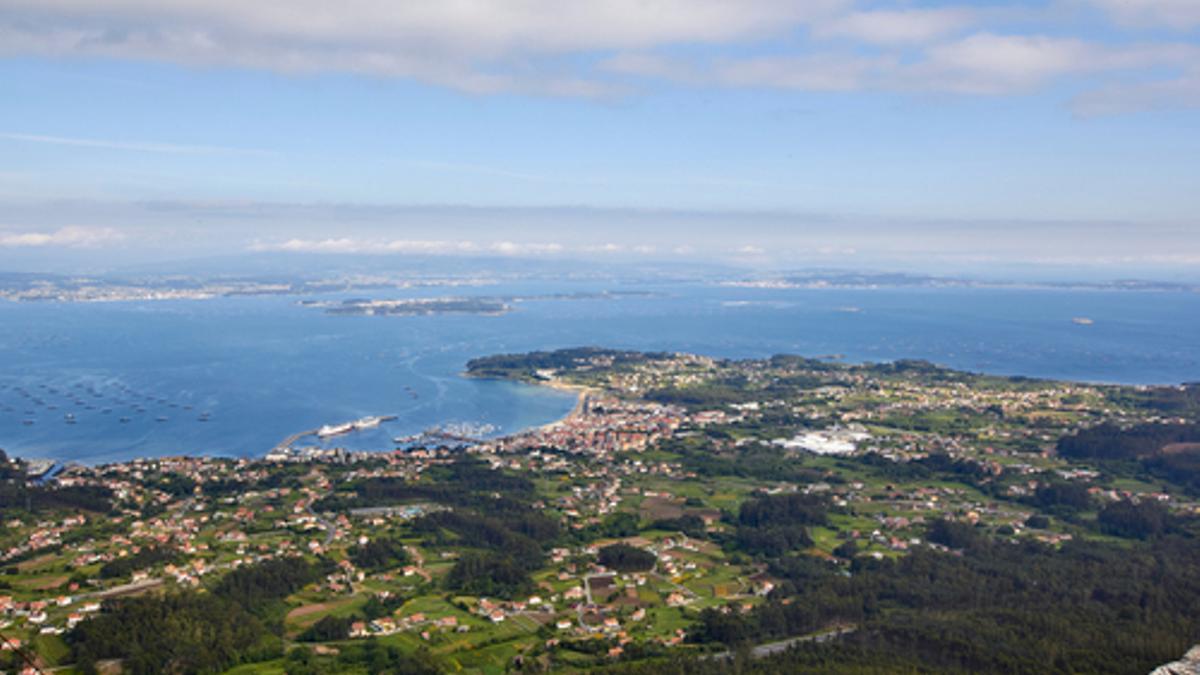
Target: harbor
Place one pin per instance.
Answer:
(452, 435)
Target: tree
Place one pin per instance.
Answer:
(626, 558)
(952, 533)
(328, 629)
(1140, 520)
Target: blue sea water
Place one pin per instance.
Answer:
(264, 367)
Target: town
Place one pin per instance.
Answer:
(683, 493)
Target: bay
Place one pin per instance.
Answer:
(263, 368)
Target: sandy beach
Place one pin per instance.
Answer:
(582, 393)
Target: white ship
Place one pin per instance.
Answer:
(368, 423)
(358, 425)
(335, 430)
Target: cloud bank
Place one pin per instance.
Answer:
(1139, 48)
(66, 237)
(177, 230)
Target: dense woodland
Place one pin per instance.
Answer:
(519, 366)
(238, 620)
(1168, 452)
(1109, 441)
(995, 607)
(773, 525)
(625, 558)
(379, 554)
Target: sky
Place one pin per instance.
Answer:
(895, 134)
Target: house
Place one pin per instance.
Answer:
(384, 625)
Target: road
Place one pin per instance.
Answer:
(124, 589)
(330, 528)
(759, 651)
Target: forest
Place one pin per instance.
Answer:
(237, 620)
(993, 607)
(625, 558)
(1168, 452)
(520, 366)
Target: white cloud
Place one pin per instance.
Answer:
(604, 248)
(891, 27)
(986, 63)
(516, 249)
(344, 245)
(478, 27)
(599, 48)
(1174, 14)
(979, 64)
(475, 45)
(351, 245)
(67, 237)
(822, 72)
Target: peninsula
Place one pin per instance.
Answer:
(692, 515)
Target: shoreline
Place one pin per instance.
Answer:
(581, 392)
(581, 395)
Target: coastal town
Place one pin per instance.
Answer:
(616, 535)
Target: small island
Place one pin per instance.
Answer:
(414, 306)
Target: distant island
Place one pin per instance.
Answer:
(483, 305)
(871, 280)
(30, 287)
(413, 306)
(102, 288)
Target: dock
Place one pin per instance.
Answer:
(286, 444)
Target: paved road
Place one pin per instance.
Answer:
(770, 648)
(330, 528)
(124, 589)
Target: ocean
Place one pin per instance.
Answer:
(99, 382)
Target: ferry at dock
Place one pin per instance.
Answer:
(330, 430)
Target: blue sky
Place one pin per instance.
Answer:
(831, 132)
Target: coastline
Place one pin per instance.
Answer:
(582, 392)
